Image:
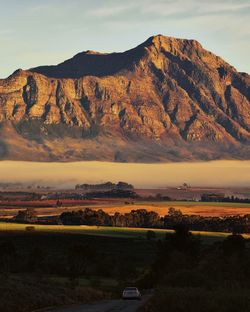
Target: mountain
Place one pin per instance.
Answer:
(166, 100)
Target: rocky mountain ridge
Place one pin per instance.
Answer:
(166, 100)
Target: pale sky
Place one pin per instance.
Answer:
(36, 32)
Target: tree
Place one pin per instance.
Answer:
(180, 251)
(174, 213)
(183, 240)
(124, 186)
(173, 217)
(26, 216)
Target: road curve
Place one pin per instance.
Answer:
(104, 306)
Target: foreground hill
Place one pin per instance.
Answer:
(166, 100)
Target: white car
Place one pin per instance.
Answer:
(131, 293)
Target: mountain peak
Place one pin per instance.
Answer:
(93, 63)
(161, 40)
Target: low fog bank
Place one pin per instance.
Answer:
(61, 175)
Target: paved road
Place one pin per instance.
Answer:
(105, 306)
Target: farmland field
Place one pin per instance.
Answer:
(48, 208)
(105, 231)
(189, 208)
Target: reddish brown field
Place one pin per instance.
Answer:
(51, 203)
(13, 201)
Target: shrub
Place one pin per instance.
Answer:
(30, 228)
(198, 300)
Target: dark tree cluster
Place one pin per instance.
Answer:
(190, 275)
(105, 186)
(113, 193)
(223, 199)
(26, 216)
(232, 224)
(150, 219)
(157, 197)
(135, 218)
(86, 217)
(116, 193)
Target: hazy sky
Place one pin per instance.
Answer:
(36, 32)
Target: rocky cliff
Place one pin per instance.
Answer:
(166, 100)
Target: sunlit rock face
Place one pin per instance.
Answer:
(166, 100)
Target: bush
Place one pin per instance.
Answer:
(198, 300)
(30, 228)
(23, 294)
(186, 278)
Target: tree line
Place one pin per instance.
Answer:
(150, 219)
(105, 186)
(223, 199)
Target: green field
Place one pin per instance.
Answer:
(137, 233)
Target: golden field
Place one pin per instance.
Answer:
(188, 208)
(111, 207)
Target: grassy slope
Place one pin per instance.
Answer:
(126, 245)
(25, 294)
(138, 233)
